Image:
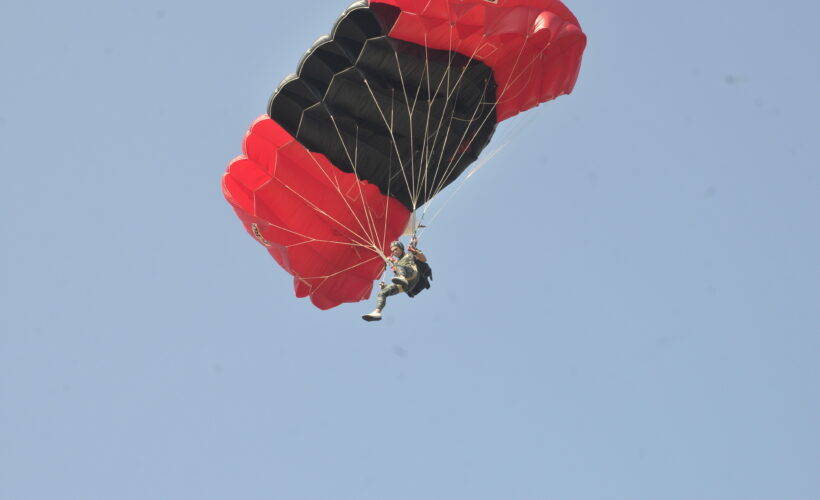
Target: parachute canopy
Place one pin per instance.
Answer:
(380, 116)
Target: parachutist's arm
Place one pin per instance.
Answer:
(418, 254)
(388, 264)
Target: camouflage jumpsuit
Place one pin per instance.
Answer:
(404, 267)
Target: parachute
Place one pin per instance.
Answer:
(381, 115)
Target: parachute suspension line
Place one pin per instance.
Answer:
(322, 212)
(447, 95)
(481, 163)
(389, 175)
(324, 278)
(439, 185)
(485, 160)
(428, 145)
(367, 235)
(509, 84)
(413, 189)
(354, 266)
(454, 161)
(517, 77)
(390, 129)
(411, 185)
(389, 126)
(365, 239)
(371, 222)
(427, 156)
(339, 223)
(424, 142)
(308, 239)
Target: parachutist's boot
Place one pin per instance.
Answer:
(374, 316)
(401, 281)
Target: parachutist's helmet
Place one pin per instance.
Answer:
(397, 244)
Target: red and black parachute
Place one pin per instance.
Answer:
(381, 115)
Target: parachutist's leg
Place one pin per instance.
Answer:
(385, 292)
(404, 276)
(381, 301)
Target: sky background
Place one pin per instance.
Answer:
(626, 301)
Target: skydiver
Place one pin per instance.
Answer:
(412, 275)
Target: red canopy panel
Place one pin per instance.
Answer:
(533, 46)
(322, 225)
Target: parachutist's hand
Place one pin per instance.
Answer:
(381, 284)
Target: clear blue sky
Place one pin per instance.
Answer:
(626, 302)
